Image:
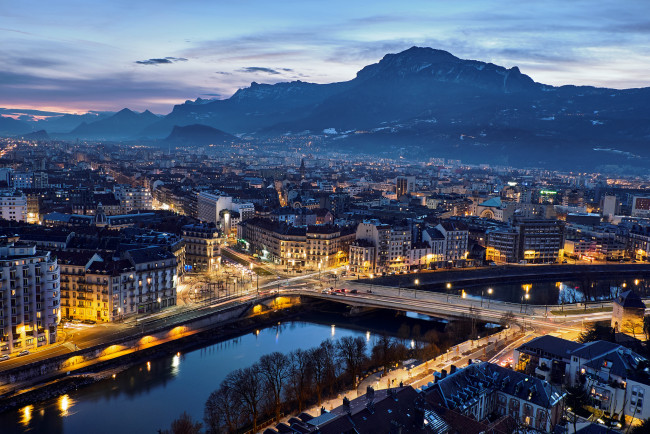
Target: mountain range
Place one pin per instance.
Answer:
(420, 102)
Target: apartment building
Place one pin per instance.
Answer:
(202, 251)
(482, 389)
(98, 288)
(13, 205)
(613, 376)
(535, 241)
(133, 198)
(29, 296)
(297, 248)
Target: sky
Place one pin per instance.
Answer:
(75, 56)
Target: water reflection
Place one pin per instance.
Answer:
(65, 402)
(26, 413)
(149, 396)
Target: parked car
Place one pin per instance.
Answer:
(89, 321)
(325, 291)
(353, 291)
(23, 353)
(3, 358)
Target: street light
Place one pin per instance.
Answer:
(448, 288)
(415, 291)
(489, 292)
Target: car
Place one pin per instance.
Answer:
(89, 321)
(4, 357)
(325, 291)
(353, 291)
(23, 353)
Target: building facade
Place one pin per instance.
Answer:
(13, 206)
(29, 297)
(202, 251)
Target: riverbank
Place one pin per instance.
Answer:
(66, 381)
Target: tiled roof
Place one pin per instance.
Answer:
(561, 348)
(630, 299)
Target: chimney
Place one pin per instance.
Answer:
(323, 411)
(452, 369)
(437, 376)
(443, 373)
(346, 405)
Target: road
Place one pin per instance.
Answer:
(78, 336)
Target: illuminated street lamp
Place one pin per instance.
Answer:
(448, 288)
(489, 291)
(415, 291)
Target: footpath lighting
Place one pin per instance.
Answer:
(415, 291)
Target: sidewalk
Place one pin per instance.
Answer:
(409, 376)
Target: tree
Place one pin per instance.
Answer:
(222, 410)
(299, 376)
(184, 424)
(632, 326)
(642, 428)
(575, 399)
(430, 347)
(352, 352)
(274, 367)
(646, 327)
(597, 332)
(246, 384)
(382, 352)
(321, 365)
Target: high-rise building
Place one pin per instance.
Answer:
(535, 241)
(404, 185)
(13, 206)
(608, 207)
(29, 296)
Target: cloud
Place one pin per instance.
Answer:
(223, 73)
(161, 61)
(258, 69)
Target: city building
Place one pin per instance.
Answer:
(133, 198)
(628, 313)
(614, 377)
(481, 389)
(641, 206)
(29, 296)
(404, 185)
(13, 205)
(534, 241)
(202, 250)
(297, 248)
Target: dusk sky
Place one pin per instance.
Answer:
(76, 56)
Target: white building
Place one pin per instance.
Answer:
(13, 206)
(448, 241)
(133, 198)
(211, 206)
(29, 299)
(23, 180)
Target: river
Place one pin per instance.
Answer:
(145, 398)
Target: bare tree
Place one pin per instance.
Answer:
(382, 352)
(632, 326)
(352, 351)
(318, 366)
(274, 367)
(247, 384)
(299, 376)
(222, 410)
(184, 425)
